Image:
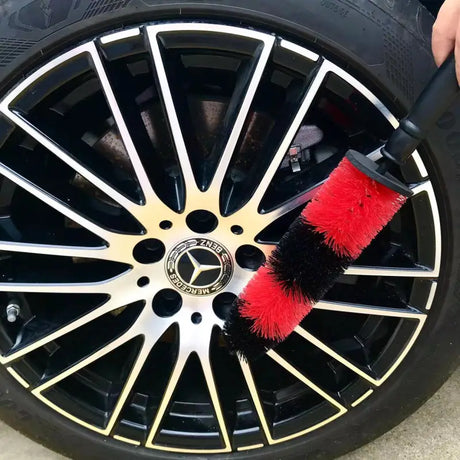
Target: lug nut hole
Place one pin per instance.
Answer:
(249, 257)
(202, 221)
(149, 251)
(143, 281)
(196, 318)
(166, 224)
(222, 304)
(166, 303)
(237, 230)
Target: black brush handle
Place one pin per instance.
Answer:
(435, 99)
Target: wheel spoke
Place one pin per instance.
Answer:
(301, 200)
(310, 95)
(211, 384)
(241, 278)
(293, 371)
(166, 96)
(133, 375)
(261, 221)
(256, 399)
(323, 347)
(358, 270)
(149, 342)
(113, 345)
(243, 109)
(99, 287)
(150, 196)
(67, 158)
(345, 307)
(56, 204)
(172, 384)
(107, 307)
(427, 187)
(100, 253)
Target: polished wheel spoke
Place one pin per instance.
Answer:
(149, 341)
(150, 196)
(104, 350)
(173, 120)
(264, 219)
(298, 201)
(293, 371)
(249, 379)
(211, 384)
(345, 307)
(101, 253)
(72, 326)
(56, 204)
(310, 95)
(251, 90)
(298, 375)
(97, 287)
(323, 347)
(67, 158)
(167, 395)
(358, 270)
(129, 384)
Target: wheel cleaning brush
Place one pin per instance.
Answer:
(359, 198)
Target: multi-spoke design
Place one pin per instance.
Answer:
(125, 151)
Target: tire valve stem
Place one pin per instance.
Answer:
(12, 312)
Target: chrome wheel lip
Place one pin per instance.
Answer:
(152, 327)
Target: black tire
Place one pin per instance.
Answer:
(386, 45)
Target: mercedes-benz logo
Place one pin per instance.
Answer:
(199, 266)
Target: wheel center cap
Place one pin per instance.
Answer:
(199, 266)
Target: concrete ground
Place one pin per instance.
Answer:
(431, 433)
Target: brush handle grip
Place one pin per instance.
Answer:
(434, 100)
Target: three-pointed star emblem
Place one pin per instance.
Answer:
(198, 268)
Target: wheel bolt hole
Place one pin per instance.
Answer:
(143, 281)
(202, 221)
(237, 230)
(149, 251)
(249, 257)
(166, 303)
(222, 304)
(166, 224)
(196, 318)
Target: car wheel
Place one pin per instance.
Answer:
(152, 153)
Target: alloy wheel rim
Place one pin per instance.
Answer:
(164, 304)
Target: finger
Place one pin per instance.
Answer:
(457, 54)
(442, 46)
(443, 40)
(444, 31)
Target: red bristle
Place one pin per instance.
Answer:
(274, 314)
(350, 209)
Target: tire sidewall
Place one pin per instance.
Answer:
(361, 37)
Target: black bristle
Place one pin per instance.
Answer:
(304, 264)
(305, 267)
(240, 337)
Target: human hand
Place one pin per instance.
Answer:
(446, 34)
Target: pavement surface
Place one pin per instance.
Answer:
(431, 433)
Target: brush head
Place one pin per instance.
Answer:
(344, 217)
(263, 315)
(351, 209)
